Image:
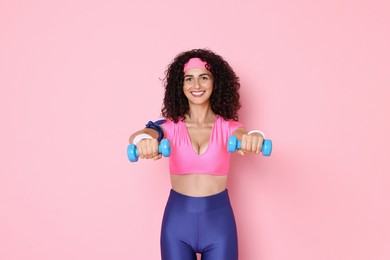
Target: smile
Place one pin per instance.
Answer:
(197, 93)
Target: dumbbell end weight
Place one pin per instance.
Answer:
(266, 149)
(164, 148)
(132, 153)
(233, 144)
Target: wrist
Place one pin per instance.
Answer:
(139, 137)
(258, 132)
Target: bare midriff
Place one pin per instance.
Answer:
(198, 185)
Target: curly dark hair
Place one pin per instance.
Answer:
(224, 99)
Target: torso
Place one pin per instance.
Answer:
(199, 185)
(200, 136)
(199, 163)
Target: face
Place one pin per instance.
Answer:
(198, 85)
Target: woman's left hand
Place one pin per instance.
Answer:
(251, 144)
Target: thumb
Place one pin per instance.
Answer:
(157, 157)
(240, 152)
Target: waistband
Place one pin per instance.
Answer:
(198, 204)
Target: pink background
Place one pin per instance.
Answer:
(78, 77)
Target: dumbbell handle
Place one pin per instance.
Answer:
(235, 144)
(164, 148)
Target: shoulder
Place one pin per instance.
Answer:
(169, 125)
(169, 122)
(229, 125)
(228, 122)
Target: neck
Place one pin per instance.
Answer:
(200, 114)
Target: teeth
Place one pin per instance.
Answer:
(197, 93)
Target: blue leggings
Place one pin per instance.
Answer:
(202, 225)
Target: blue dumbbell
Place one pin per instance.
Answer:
(234, 144)
(164, 148)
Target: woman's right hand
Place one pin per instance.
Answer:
(148, 149)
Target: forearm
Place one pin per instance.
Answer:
(239, 132)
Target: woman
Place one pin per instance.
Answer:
(200, 107)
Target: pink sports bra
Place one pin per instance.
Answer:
(184, 160)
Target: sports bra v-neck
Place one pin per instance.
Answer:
(214, 160)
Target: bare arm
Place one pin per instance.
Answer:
(239, 132)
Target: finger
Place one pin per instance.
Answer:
(149, 148)
(259, 147)
(240, 152)
(255, 144)
(153, 147)
(141, 149)
(250, 142)
(157, 157)
(243, 142)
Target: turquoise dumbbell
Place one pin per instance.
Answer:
(164, 148)
(234, 144)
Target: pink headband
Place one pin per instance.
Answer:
(194, 63)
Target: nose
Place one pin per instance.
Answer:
(197, 83)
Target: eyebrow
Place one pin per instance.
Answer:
(190, 75)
